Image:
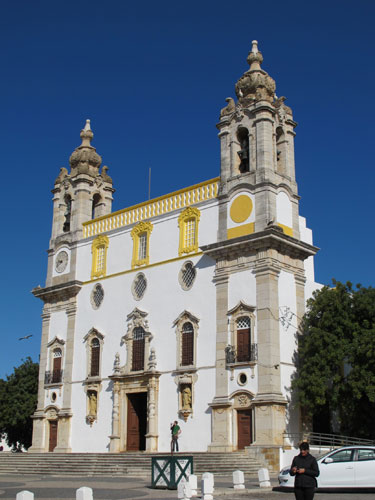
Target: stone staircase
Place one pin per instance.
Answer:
(118, 464)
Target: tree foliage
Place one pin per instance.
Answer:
(18, 396)
(336, 358)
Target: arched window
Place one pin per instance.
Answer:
(281, 146)
(244, 152)
(56, 368)
(67, 213)
(95, 202)
(138, 350)
(95, 358)
(243, 339)
(187, 344)
(141, 243)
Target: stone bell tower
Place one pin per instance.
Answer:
(81, 195)
(259, 231)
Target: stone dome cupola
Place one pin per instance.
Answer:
(255, 84)
(85, 159)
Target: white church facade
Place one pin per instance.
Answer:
(183, 307)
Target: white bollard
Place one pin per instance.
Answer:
(25, 495)
(84, 493)
(183, 490)
(207, 486)
(238, 480)
(264, 478)
(193, 481)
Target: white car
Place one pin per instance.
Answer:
(348, 467)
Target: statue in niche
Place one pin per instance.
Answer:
(186, 397)
(93, 403)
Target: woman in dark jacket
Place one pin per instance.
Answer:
(305, 468)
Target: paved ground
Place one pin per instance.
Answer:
(62, 488)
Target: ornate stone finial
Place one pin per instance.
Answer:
(86, 135)
(152, 360)
(85, 158)
(116, 364)
(255, 84)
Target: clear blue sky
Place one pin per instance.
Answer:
(152, 77)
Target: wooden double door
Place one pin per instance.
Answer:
(136, 422)
(244, 428)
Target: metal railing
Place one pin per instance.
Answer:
(324, 440)
(53, 377)
(233, 357)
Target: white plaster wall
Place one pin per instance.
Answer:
(242, 286)
(58, 325)
(94, 438)
(163, 245)
(306, 236)
(164, 301)
(251, 218)
(284, 210)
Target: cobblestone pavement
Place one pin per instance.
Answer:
(116, 488)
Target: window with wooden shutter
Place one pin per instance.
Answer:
(95, 358)
(187, 348)
(138, 351)
(243, 339)
(56, 370)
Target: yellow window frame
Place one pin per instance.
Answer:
(187, 215)
(101, 242)
(136, 232)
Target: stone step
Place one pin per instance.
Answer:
(118, 464)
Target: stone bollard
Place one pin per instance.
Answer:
(25, 495)
(84, 493)
(264, 478)
(207, 486)
(183, 490)
(238, 480)
(193, 481)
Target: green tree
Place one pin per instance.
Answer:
(336, 358)
(18, 396)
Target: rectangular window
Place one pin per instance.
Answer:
(187, 348)
(100, 258)
(95, 356)
(138, 351)
(243, 345)
(142, 252)
(189, 233)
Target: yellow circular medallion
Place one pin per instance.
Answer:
(241, 208)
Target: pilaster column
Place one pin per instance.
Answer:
(152, 434)
(114, 445)
(269, 402)
(38, 417)
(221, 428)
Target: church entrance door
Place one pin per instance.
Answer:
(52, 435)
(136, 422)
(244, 428)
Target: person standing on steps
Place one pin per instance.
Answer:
(305, 469)
(175, 432)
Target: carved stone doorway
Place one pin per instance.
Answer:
(136, 421)
(244, 428)
(52, 435)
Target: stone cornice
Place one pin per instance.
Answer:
(58, 293)
(269, 238)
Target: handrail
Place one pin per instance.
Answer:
(323, 439)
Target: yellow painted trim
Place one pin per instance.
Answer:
(235, 232)
(187, 215)
(287, 230)
(182, 198)
(136, 232)
(155, 264)
(241, 208)
(99, 242)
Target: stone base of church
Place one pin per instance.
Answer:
(268, 455)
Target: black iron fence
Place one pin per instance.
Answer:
(233, 356)
(53, 377)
